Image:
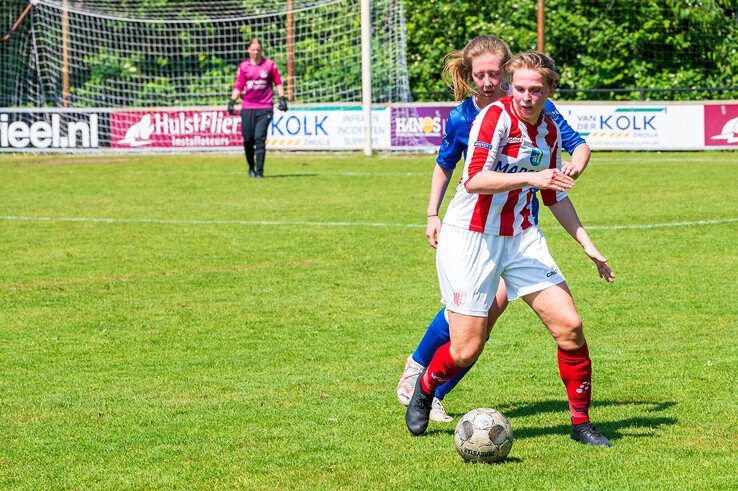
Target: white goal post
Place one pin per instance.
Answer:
(184, 53)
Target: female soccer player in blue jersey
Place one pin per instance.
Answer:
(479, 64)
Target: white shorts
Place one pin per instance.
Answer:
(470, 265)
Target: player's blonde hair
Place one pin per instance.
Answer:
(457, 69)
(252, 41)
(534, 60)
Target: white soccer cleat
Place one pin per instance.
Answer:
(438, 413)
(406, 386)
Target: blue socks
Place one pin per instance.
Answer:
(449, 385)
(436, 336)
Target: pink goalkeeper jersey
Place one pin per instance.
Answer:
(255, 83)
(500, 141)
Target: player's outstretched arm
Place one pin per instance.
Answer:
(567, 216)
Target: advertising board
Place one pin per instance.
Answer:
(50, 130)
(721, 125)
(297, 129)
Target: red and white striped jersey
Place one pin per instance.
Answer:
(502, 142)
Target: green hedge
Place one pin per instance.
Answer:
(597, 44)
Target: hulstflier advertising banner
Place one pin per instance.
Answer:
(637, 126)
(721, 125)
(298, 129)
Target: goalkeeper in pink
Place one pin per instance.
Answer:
(254, 81)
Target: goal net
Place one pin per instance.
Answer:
(141, 53)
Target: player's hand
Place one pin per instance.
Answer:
(570, 170)
(282, 106)
(550, 179)
(600, 261)
(231, 108)
(432, 229)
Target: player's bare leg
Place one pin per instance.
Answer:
(413, 369)
(555, 307)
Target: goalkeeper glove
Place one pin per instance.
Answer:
(231, 109)
(282, 106)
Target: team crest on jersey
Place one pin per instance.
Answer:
(459, 298)
(536, 156)
(263, 74)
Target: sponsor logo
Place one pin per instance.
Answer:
(536, 156)
(138, 135)
(486, 145)
(427, 126)
(729, 132)
(263, 74)
(500, 167)
(584, 387)
(622, 122)
(299, 125)
(551, 273)
(177, 129)
(721, 125)
(515, 140)
(459, 298)
(256, 84)
(49, 132)
(418, 126)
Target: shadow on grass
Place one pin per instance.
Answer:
(647, 422)
(505, 461)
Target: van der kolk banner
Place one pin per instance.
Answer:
(637, 127)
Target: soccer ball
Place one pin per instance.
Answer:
(483, 435)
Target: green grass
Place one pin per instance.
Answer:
(216, 352)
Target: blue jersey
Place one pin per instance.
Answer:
(456, 138)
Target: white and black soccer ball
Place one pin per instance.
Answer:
(483, 435)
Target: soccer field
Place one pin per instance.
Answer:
(167, 322)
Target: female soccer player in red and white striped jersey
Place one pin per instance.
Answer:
(475, 70)
(488, 234)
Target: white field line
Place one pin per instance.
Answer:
(661, 225)
(306, 172)
(326, 224)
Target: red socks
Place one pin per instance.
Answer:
(575, 368)
(441, 369)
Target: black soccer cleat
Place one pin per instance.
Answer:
(418, 410)
(589, 435)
